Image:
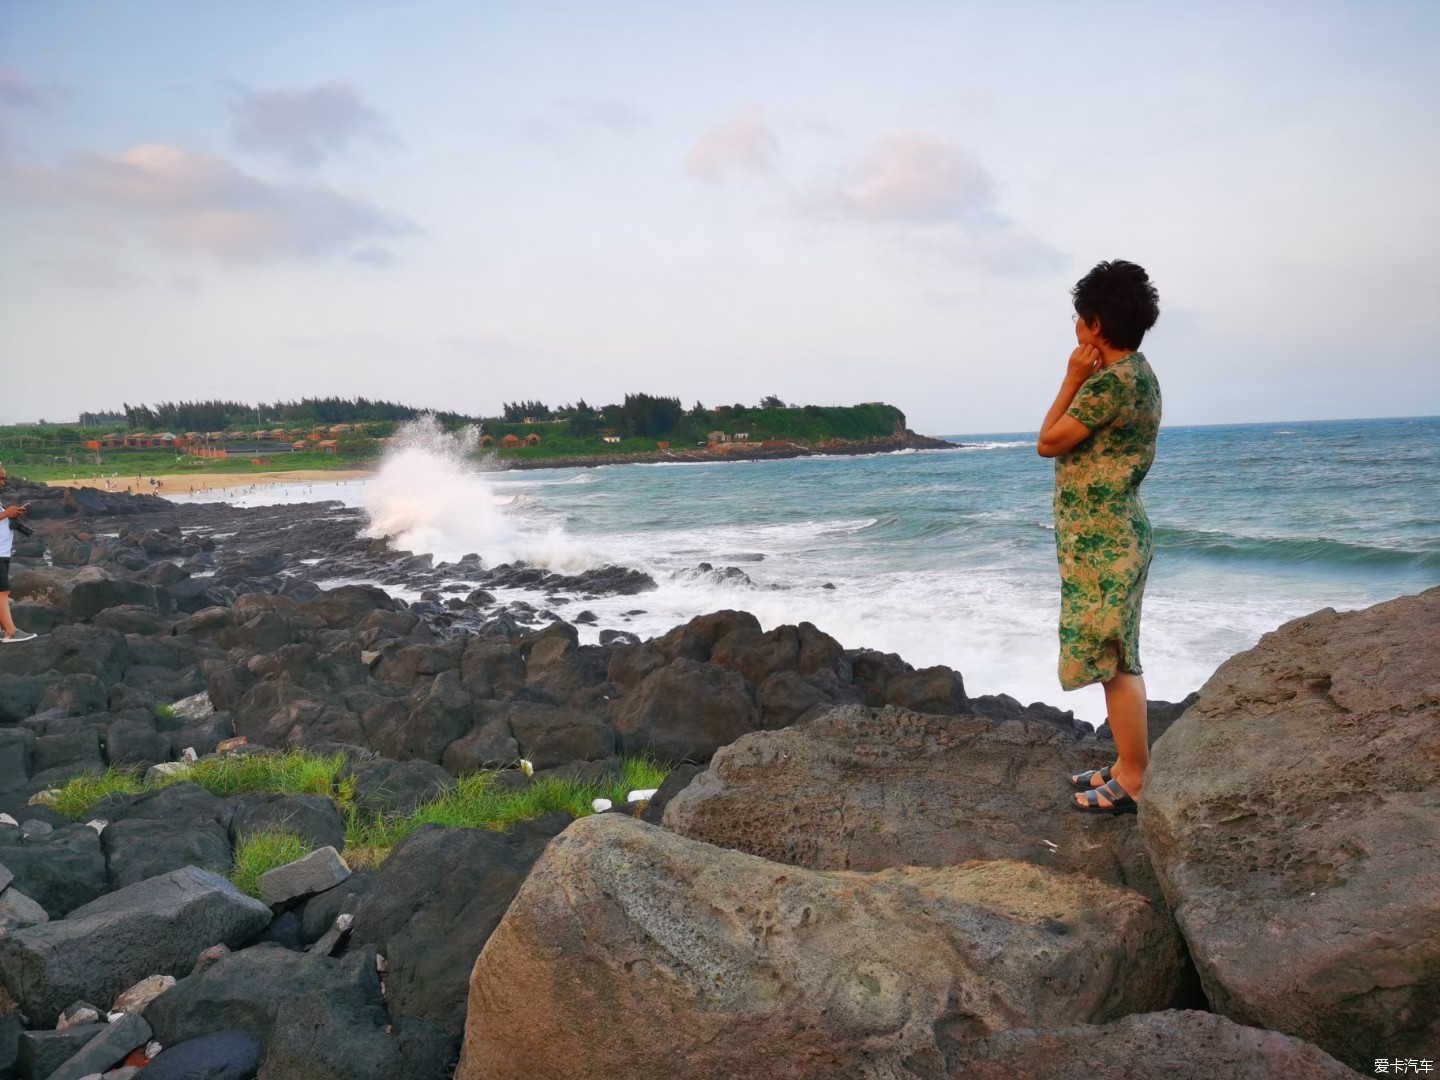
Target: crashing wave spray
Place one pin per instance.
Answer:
(431, 495)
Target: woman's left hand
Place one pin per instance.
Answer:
(1084, 362)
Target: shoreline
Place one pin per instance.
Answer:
(837, 448)
(183, 483)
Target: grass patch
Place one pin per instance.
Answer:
(84, 791)
(163, 712)
(262, 852)
(293, 773)
(475, 802)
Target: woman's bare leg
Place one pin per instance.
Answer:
(1125, 700)
(6, 623)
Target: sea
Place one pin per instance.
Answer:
(945, 556)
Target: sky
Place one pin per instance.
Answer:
(459, 204)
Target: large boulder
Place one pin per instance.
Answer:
(433, 903)
(1176, 1045)
(685, 710)
(1293, 815)
(867, 789)
(156, 927)
(630, 950)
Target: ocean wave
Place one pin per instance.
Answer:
(1319, 551)
(994, 445)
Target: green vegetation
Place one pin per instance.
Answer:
(476, 802)
(638, 423)
(83, 792)
(262, 852)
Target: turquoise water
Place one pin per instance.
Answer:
(948, 556)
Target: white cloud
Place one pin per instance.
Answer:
(306, 126)
(743, 144)
(909, 176)
(206, 205)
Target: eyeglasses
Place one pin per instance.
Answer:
(1075, 318)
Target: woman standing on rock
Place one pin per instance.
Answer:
(1101, 432)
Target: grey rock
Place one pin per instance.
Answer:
(157, 926)
(42, 1052)
(313, 873)
(17, 910)
(221, 1055)
(31, 829)
(1293, 816)
(106, 1049)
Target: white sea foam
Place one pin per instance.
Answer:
(429, 495)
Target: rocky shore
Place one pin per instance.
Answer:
(853, 868)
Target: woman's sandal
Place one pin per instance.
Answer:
(1120, 801)
(1082, 782)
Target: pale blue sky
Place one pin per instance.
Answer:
(458, 204)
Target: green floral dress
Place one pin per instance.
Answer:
(1102, 536)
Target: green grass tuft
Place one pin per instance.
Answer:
(84, 791)
(474, 803)
(262, 852)
(163, 712)
(293, 773)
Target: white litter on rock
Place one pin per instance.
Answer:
(111, 1017)
(98, 824)
(6, 819)
(641, 794)
(151, 1049)
(526, 767)
(189, 756)
(381, 964)
(600, 805)
(343, 922)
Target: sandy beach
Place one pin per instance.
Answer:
(184, 483)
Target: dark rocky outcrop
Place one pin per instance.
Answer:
(434, 902)
(315, 1016)
(158, 926)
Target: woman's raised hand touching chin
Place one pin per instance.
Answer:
(1084, 362)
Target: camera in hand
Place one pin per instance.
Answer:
(18, 524)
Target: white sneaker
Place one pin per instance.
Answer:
(19, 635)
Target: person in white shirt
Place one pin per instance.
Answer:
(7, 542)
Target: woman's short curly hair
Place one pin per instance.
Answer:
(1121, 296)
